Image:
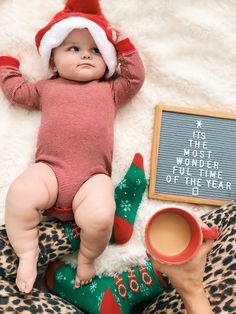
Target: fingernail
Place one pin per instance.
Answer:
(77, 284)
(148, 255)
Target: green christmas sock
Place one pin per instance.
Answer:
(128, 196)
(116, 295)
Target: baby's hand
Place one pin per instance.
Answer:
(117, 34)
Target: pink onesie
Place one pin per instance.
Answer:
(76, 133)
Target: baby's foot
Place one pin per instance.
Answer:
(85, 271)
(27, 270)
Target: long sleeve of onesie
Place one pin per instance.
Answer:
(131, 76)
(18, 91)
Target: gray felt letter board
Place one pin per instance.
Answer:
(193, 156)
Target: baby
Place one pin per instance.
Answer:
(75, 142)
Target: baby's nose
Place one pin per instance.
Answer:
(86, 55)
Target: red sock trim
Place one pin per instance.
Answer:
(123, 230)
(138, 161)
(50, 272)
(109, 304)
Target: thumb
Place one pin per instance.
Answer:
(161, 267)
(207, 246)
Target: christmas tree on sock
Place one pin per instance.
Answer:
(128, 196)
(116, 295)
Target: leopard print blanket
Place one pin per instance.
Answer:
(219, 279)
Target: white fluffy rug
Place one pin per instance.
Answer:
(189, 51)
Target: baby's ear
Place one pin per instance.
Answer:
(52, 65)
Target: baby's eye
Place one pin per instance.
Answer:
(95, 50)
(73, 49)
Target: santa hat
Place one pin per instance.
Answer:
(78, 14)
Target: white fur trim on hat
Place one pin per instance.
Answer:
(59, 31)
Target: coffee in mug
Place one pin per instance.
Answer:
(174, 235)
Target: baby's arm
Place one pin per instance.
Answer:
(19, 92)
(131, 76)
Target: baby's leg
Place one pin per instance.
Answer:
(94, 208)
(33, 190)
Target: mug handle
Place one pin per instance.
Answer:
(210, 233)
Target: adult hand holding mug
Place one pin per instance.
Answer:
(187, 279)
(177, 243)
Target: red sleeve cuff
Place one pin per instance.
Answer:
(9, 61)
(124, 46)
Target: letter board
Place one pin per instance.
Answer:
(193, 156)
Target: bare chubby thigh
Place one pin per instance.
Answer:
(94, 199)
(36, 185)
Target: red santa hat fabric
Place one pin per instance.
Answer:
(78, 14)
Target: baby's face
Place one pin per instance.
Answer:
(78, 58)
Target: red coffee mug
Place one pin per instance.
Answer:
(183, 219)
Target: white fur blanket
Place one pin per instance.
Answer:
(189, 51)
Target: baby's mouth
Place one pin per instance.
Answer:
(85, 65)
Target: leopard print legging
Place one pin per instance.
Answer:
(219, 276)
(53, 243)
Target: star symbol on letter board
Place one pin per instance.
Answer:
(199, 124)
